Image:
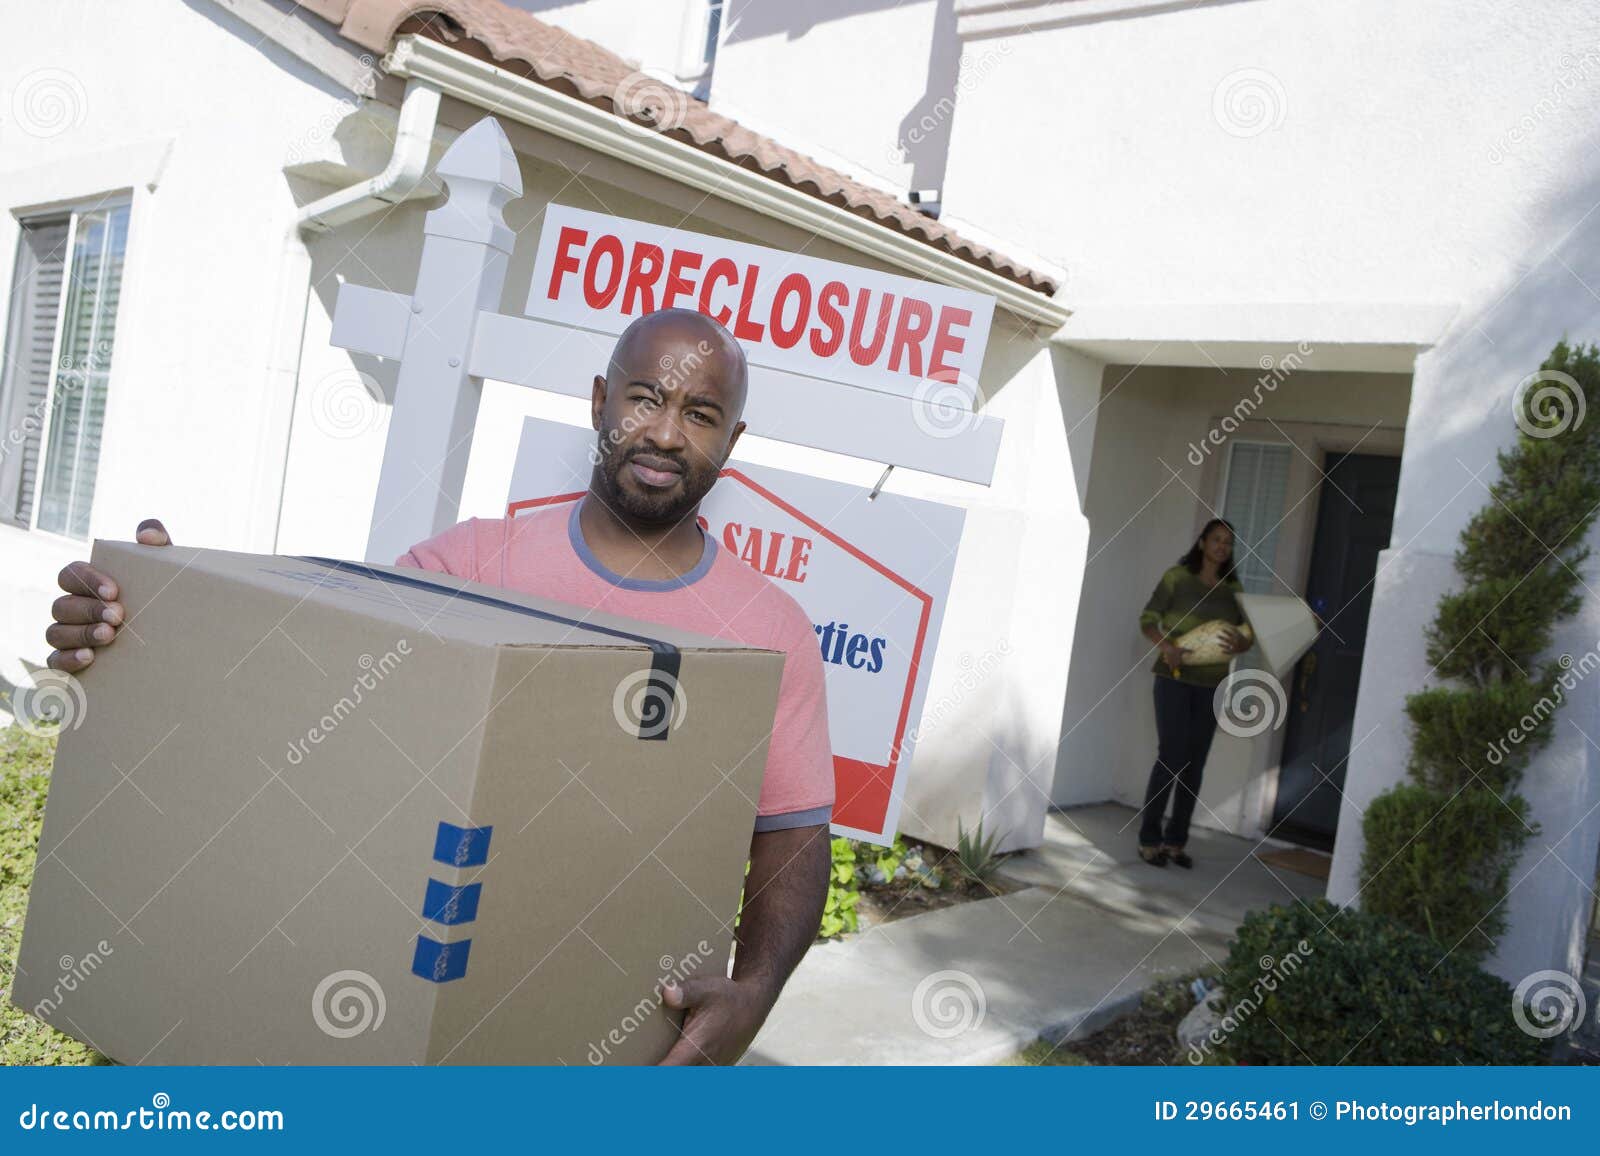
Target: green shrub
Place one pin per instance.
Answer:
(1439, 850)
(1450, 880)
(1460, 731)
(1319, 984)
(839, 916)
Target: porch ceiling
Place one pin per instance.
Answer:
(1349, 337)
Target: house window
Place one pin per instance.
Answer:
(708, 54)
(702, 33)
(59, 339)
(1252, 499)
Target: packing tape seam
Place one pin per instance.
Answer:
(665, 659)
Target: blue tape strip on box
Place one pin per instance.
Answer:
(451, 905)
(462, 846)
(665, 659)
(440, 962)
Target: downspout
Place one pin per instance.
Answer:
(419, 113)
(408, 162)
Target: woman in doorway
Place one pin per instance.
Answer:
(1198, 591)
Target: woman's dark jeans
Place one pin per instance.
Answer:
(1185, 723)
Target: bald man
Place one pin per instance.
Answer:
(667, 412)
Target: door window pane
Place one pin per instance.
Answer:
(1258, 484)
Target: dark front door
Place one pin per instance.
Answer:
(1354, 517)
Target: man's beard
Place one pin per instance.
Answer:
(661, 508)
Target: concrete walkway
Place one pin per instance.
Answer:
(976, 983)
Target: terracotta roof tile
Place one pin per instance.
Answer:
(515, 39)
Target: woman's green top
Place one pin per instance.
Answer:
(1180, 602)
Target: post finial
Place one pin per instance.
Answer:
(480, 171)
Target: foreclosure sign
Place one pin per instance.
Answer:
(873, 575)
(791, 312)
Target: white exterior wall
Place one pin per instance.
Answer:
(663, 37)
(1377, 183)
(987, 740)
(1364, 157)
(185, 97)
(866, 87)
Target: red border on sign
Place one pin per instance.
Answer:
(869, 785)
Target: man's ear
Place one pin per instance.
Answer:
(733, 440)
(597, 401)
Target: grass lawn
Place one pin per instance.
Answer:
(24, 779)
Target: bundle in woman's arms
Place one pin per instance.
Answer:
(1207, 643)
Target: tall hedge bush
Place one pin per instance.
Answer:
(1440, 848)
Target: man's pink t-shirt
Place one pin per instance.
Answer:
(543, 553)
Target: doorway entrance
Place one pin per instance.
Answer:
(1355, 514)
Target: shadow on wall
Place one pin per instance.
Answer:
(923, 134)
(975, 728)
(1554, 293)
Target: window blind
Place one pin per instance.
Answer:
(60, 332)
(30, 339)
(1258, 485)
(83, 366)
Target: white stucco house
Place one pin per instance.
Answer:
(1280, 261)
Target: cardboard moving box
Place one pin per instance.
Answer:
(318, 812)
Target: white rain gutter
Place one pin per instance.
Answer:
(419, 114)
(486, 86)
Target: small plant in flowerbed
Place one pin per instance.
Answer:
(871, 884)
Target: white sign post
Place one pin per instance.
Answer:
(842, 358)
